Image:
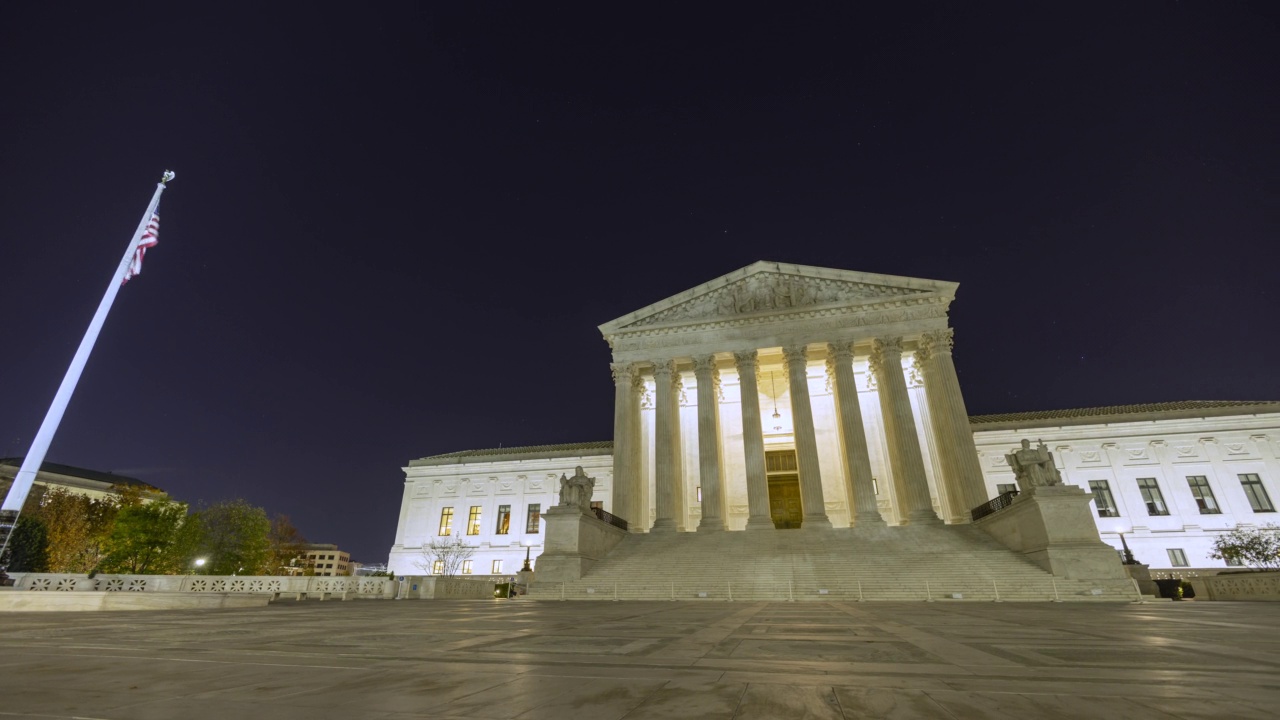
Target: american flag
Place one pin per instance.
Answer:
(150, 236)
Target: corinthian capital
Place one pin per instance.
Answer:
(886, 353)
(747, 361)
(937, 342)
(703, 364)
(664, 370)
(623, 373)
(795, 356)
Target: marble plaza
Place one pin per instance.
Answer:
(465, 660)
(783, 397)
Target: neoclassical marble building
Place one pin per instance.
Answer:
(772, 398)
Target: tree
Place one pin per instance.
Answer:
(77, 527)
(1256, 547)
(285, 545)
(149, 538)
(234, 537)
(449, 554)
(28, 549)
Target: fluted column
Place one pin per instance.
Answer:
(815, 508)
(861, 490)
(626, 425)
(709, 473)
(950, 420)
(905, 459)
(753, 442)
(666, 445)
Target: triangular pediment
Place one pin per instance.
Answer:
(766, 289)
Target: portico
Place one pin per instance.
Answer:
(828, 388)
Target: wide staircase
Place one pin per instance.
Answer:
(940, 563)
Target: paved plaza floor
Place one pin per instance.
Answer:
(633, 660)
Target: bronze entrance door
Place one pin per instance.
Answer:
(784, 501)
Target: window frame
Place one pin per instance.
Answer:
(495, 568)
(467, 567)
(1178, 557)
(473, 520)
(1202, 491)
(1152, 497)
(1252, 485)
(1102, 489)
(446, 522)
(503, 526)
(533, 518)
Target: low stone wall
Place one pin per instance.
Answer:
(299, 586)
(434, 587)
(1255, 586)
(101, 600)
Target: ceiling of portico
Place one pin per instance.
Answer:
(768, 304)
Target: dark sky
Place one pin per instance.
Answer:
(394, 229)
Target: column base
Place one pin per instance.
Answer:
(664, 525)
(759, 523)
(868, 520)
(923, 517)
(711, 525)
(815, 522)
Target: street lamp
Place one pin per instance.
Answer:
(1128, 554)
(198, 563)
(526, 567)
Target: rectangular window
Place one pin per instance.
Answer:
(446, 521)
(1258, 498)
(437, 567)
(597, 504)
(1003, 488)
(1177, 558)
(1152, 497)
(1203, 494)
(1234, 562)
(504, 520)
(497, 567)
(473, 521)
(875, 486)
(1102, 498)
(535, 512)
(466, 567)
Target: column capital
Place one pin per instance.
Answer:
(624, 373)
(703, 363)
(746, 359)
(840, 352)
(795, 354)
(886, 353)
(664, 370)
(937, 342)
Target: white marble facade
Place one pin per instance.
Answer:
(1226, 453)
(852, 372)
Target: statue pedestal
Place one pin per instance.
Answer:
(1053, 527)
(575, 541)
(1142, 575)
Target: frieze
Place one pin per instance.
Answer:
(841, 318)
(771, 292)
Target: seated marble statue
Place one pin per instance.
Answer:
(1033, 467)
(576, 491)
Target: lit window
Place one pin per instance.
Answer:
(875, 486)
(1235, 562)
(535, 512)
(1102, 499)
(446, 521)
(1151, 496)
(1258, 498)
(1006, 488)
(699, 493)
(497, 567)
(437, 567)
(1203, 494)
(473, 521)
(466, 567)
(1177, 558)
(504, 520)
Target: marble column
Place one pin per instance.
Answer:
(905, 459)
(709, 451)
(815, 507)
(666, 445)
(753, 442)
(863, 506)
(961, 470)
(626, 428)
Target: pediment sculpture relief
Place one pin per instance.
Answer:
(770, 291)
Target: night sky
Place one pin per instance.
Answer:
(394, 230)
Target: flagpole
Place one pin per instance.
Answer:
(40, 445)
